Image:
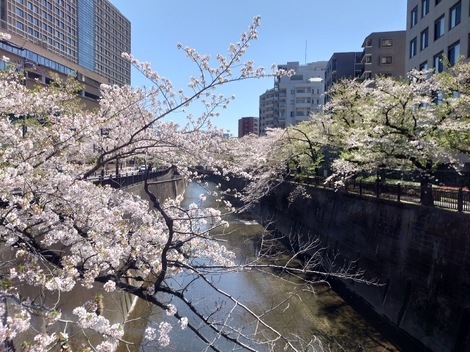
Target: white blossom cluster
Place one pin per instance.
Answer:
(63, 233)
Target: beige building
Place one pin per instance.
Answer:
(436, 28)
(82, 38)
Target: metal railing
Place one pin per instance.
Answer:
(455, 198)
(129, 178)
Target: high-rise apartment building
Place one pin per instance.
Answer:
(436, 28)
(384, 55)
(293, 98)
(84, 38)
(247, 125)
(269, 110)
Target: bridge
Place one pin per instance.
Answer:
(131, 178)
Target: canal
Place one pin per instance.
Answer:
(317, 315)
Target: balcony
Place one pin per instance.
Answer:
(303, 105)
(303, 95)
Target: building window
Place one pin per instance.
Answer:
(437, 2)
(453, 53)
(454, 14)
(386, 43)
(385, 60)
(424, 39)
(439, 27)
(414, 17)
(424, 7)
(423, 66)
(19, 25)
(437, 61)
(368, 59)
(413, 47)
(19, 12)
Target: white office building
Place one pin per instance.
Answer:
(293, 98)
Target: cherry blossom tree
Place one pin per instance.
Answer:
(65, 241)
(417, 124)
(264, 162)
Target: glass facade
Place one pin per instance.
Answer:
(90, 33)
(86, 35)
(37, 59)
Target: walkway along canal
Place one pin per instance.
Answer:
(322, 315)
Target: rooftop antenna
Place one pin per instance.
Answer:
(305, 53)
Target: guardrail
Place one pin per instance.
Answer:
(444, 197)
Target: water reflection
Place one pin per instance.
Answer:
(320, 314)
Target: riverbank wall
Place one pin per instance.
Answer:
(169, 185)
(420, 256)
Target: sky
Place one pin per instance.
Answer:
(295, 30)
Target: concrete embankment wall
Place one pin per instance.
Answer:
(420, 254)
(166, 186)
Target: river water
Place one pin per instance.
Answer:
(320, 315)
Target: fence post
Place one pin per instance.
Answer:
(460, 200)
(426, 194)
(398, 192)
(377, 188)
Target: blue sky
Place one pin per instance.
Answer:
(287, 29)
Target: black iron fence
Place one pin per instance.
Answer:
(444, 197)
(129, 178)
